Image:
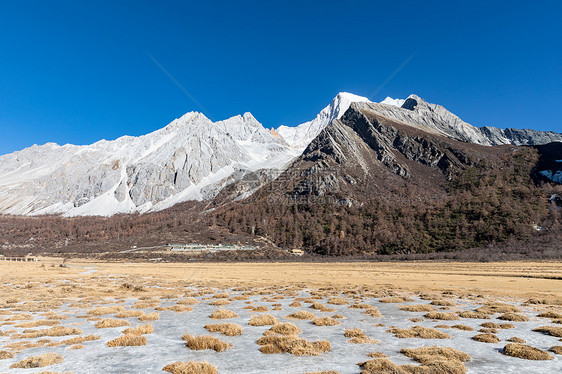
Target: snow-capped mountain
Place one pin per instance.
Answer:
(193, 158)
(300, 136)
(189, 159)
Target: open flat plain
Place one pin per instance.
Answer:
(407, 317)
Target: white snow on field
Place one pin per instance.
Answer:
(165, 345)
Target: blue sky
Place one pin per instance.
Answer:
(80, 71)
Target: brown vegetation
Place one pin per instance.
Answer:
(263, 320)
(228, 329)
(191, 367)
(526, 352)
(223, 314)
(301, 314)
(442, 316)
(326, 321)
(486, 338)
(139, 330)
(418, 332)
(357, 336)
(550, 330)
(38, 361)
(111, 322)
(199, 343)
(127, 341)
(292, 344)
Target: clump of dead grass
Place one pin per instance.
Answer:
(557, 349)
(111, 322)
(37, 323)
(292, 344)
(497, 307)
(418, 332)
(191, 367)
(295, 304)
(129, 313)
(442, 316)
(202, 342)
(395, 299)
(514, 317)
(53, 331)
(228, 329)
(285, 328)
(443, 302)
(149, 317)
(127, 341)
(516, 339)
(325, 321)
(550, 330)
(486, 338)
(338, 301)
(473, 314)
(106, 310)
(436, 360)
(6, 355)
(380, 366)
(223, 314)
(188, 301)
(525, 351)
(219, 302)
(357, 336)
(139, 330)
(38, 361)
(260, 308)
(263, 320)
(80, 339)
(301, 314)
(417, 308)
(77, 346)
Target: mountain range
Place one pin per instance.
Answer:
(194, 159)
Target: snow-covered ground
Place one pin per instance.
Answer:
(165, 345)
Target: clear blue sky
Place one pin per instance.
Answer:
(79, 71)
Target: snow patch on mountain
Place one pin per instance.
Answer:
(393, 102)
(300, 136)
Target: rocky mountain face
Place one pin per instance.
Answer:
(376, 181)
(194, 159)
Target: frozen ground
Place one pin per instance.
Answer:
(165, 345)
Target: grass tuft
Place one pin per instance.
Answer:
(191, 367)
(228, 329)
(526, 352)
(223, 314)
(127, 341)
(263, 320)
(419, 332)
(38, 361)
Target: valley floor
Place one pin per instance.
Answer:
(79, 312)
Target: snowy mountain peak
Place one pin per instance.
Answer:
(300, 136)
(394, 102)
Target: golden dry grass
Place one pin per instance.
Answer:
(442, 316)
(188, 301)
(301, 314)
(53, 331)
(37, 323)
(260, 308)
(38, 361)
(285, 328)
(338, 301)
(376, 355)
(525, 351)
(219, 302)
(191, 367)
(417, 308)
(550, 314)
(129, 314)
(80, 339)
(111, 322)
(228, 329)
(292, 344)
(557, 349)
(263, 320)
(223, 314)
(516, 339)
(550, 330)
(419, 332)
(295, 304)
(437, 360)
(139, 330)
(473, 314)
(486, 338)
(395, 299)
(325, 321)
(77, 346)
(106, 310)
(202, 342)
(127, 341)
(514, 317)
(497, 307)
(443, 302)
(6, 355)
(380, 366)
(149, 317)
(357, 336)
